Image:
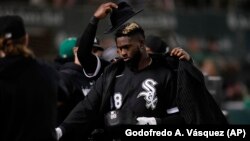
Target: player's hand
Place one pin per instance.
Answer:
(58, 133)
(104, 9)
(180, 53)
(146, 121)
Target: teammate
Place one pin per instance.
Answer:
(77, 84)
(28, 87)
(65, 53)
(73, 80)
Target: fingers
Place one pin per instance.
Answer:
(180, 53)
(105, 9)
(182, 57)
(109, 10)
(176, 52)
(111, 5)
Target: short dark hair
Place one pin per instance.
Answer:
(130, 29)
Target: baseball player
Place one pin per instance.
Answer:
(138, 89)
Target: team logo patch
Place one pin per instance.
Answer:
(149, 94)
(85, 91)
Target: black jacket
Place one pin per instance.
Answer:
(195, 104)
(28, 91)
(73, 80)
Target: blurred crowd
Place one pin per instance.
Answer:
(168, 5)
(213, 61)
(207, 53)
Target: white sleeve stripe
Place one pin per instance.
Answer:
(98, 67)
(173, 110)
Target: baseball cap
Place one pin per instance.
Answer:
(12, 27)
(66, 47)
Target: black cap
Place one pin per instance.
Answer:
(156, 44)
(12, 27)
(120, 15)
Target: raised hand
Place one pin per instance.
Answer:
(180, 53)
(104, 9)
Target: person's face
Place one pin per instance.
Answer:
(128, 49)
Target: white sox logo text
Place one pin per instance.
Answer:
(149, 94)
